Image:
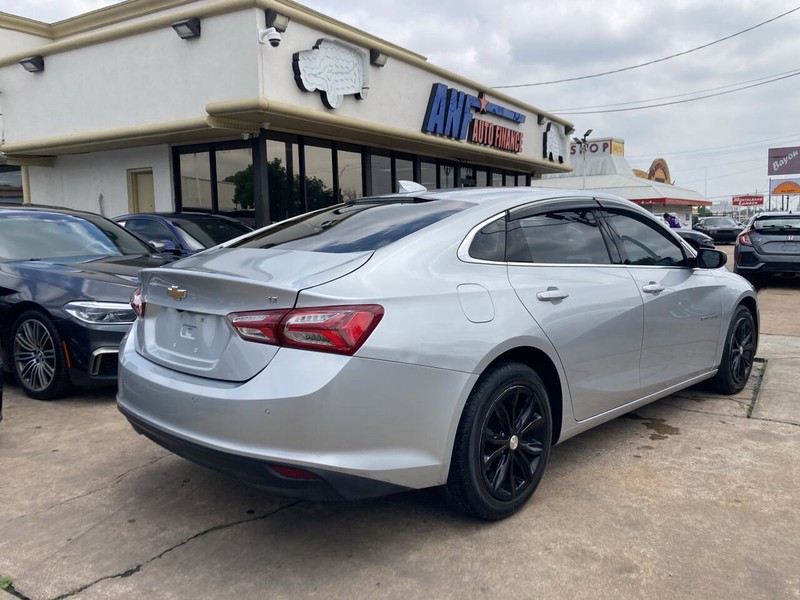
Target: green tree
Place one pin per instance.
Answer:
(243, 196)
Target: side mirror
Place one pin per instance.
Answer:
(162, 245)
(711, 259)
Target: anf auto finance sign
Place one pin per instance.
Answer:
(784, 161)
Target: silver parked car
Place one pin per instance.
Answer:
(444, 338)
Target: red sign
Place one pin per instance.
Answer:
(754, 200)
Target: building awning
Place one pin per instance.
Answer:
(616, 177)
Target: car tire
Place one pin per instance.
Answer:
(502, 443)
(36, 357)
(738, 355)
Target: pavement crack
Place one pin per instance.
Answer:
(88, 493)
(135, 569)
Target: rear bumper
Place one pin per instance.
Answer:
(328, 485)
(749, 261)
(364, 427)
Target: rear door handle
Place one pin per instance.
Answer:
(653, 288)
(552, 293)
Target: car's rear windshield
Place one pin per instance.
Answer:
(719, 222)
(358, 226)
(210, 232)
(777, 223)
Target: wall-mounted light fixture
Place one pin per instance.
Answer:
(33, 64)
(569, 130)
(277, 20)
(377, 58)
(187, 28)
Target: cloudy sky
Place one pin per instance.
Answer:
(727, 51)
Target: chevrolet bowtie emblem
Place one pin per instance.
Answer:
(176, 292)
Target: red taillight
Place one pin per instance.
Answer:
(137, 302)
(744, 238)
(339, 329)
(261, 326)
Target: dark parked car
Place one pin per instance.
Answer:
(769, 245)
(696, 239)
(720, 229)
(66, 279)
(183, 233)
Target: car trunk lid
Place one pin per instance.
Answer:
(185, 326)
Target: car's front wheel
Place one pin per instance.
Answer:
(37, 359)
(738, 355)
(502, 443)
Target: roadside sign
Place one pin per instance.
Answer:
(751, 200)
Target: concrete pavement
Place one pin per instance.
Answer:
(695, 496)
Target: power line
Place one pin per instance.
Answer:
(651, 62)
(745, 146)
(714, 89)
(739, 89)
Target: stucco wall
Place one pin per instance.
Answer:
(78, 181)
(151, 77)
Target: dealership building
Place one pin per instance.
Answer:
(261, 109)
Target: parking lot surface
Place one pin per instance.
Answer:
(694, 496)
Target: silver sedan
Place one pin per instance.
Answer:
(444, 338)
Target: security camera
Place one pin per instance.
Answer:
(271, 34)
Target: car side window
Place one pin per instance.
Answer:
(643, 243)
(490, 242)
(150, 230)
(569, 236)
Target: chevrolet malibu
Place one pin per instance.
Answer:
(445, 338)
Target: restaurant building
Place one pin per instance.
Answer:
(262, 109)
(600, 165)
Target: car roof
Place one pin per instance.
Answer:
(41, 208)
(777, 213)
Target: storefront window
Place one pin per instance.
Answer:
(381, 174)
(349, 175)
(447, 176)
(283, 180)
(10, 183)
(196, 180)
(404, 167)
(481, 178)
(235, 180)
(319, 177)
(497, 179)
(427, 172)
(467, 177)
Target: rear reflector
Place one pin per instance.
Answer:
(293, 472)
(339, 329)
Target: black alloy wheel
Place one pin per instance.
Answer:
(502, 444)
(739, 354)
(37, 359)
